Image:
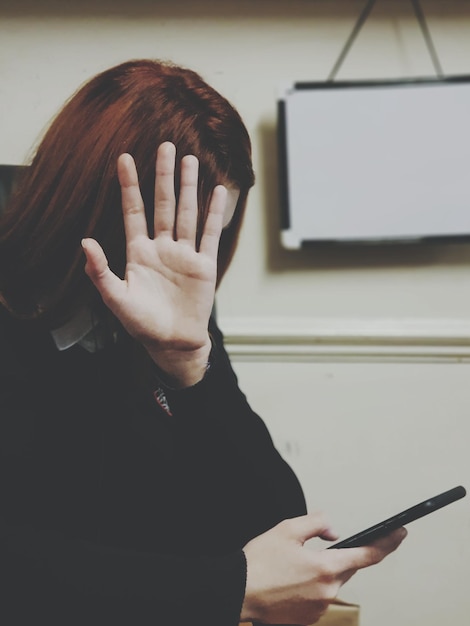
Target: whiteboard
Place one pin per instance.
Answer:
(375, 161)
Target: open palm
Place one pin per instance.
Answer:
(167, 293)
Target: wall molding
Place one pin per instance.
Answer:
(307, 339)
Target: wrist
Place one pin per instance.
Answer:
(251, 610)
(183, 368)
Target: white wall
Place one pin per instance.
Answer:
(357, 357)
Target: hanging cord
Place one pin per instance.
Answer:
(360, 23)
(354, 33)
(427, 38)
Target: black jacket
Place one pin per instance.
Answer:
(112, 511)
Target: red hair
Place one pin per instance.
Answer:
(71, 191)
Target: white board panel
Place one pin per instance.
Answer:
(376, 161)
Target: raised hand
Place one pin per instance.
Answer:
(167, 294)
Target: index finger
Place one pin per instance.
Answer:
(306, 527)
(135, 222)
(365, 556)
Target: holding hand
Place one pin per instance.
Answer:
(167, 294)
(290, 584)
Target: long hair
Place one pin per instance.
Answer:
(71, 190)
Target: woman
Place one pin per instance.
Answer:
(137, 486)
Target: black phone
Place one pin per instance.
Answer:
(405, 517)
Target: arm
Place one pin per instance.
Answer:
(164, 302)
(232, 439)
(286, 581)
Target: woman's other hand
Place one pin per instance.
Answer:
(288, 583)
(167, 294)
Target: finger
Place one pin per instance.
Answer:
(165, 203)
(308, 526)
(135, 222)
(390, 542)
(186, 220)
(108, 284)
(329, 535)
(365, 556)
(214, 222)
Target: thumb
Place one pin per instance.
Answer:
(305, 527)
(97, 269)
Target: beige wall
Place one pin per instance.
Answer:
(358, 357)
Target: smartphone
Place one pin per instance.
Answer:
(405, 517)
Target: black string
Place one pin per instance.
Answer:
(354, 33)
(360, 23)
(427, 37)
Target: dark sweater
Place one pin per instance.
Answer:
(113, 512)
